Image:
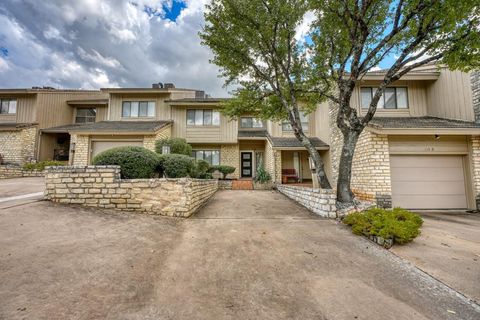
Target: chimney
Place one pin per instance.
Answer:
(199, 94)
(169, 86)
(157, 85)
(475, 81)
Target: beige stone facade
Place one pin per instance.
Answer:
(149, 141)
(18, 146)
(273, 162)
(80, 154)
(475, 163)
(371, 169)
(230, 156)
(101, 187)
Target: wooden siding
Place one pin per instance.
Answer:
(226, 132)
(322, 122)
(417, 99)
(26, 112)
(162, 112)
(275, 128)
(428, 144)
(451, 96)
(53, 110)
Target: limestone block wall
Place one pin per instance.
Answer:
(82, 148)
(319, 201)
(101, 187)
(371, 169)
(273, 162)
(475, 162)
(18, 147)
(12, 171)
(149, 141)
(230, 156)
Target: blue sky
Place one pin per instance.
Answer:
(105, 43)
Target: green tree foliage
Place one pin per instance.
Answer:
(254, 43)
(177, 146)
(262, 175)
(135, 162)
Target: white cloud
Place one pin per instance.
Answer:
(3, 65)
(93, 43)
(304, 27)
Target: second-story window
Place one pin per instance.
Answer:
(8, 106)
(203, 117)
(393, 98)
(138, 109)
(303, 118)
(86, 115)
(250, 122)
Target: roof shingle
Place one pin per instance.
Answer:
(420, 123)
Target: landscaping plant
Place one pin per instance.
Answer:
(398, 224)
(40, 166)
(135, 162)
(224, 170)
(177, 146)
(177, 165)
(262, 175)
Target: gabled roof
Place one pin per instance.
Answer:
(293, 143)
(143, 127)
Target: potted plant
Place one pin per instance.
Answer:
(263, 180)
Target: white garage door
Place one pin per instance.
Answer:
(99, 146)
(428, 182)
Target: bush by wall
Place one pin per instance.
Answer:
(262, 175)
(224, 170)
(40, 166)
(177, 165)
(177, 146)
(135, 162)
(398, 224)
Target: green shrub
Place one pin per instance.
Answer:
(177, 146)
(40, 166)
(262, 175)
(398, 224)
(177, 165)
(135, 162)
(224, 170)
(201, 170)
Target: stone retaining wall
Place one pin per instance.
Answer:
(101, 187)
(8, 171)
(319, 201)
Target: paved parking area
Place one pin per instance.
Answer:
(20, 190)
(449, 249)
(246, 255)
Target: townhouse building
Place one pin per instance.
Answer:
(422, 149)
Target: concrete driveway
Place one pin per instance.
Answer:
(246, 255)
(448, 249)
(20, 190)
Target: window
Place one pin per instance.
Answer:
(250, 122)
(203, 117)
(86, 115)
(304, 120)
(136, 109)
(211, 156)
(393, 98)
(8, 106)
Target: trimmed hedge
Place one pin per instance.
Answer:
(224, 170)
(135, 162)
(40, 166)
(177, 146)
(181, 166)
(398, 224)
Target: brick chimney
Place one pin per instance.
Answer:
(157, 85)
(169, 86)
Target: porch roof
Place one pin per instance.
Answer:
(252, 134)
(293, 143)
(426, 124)
(143, 127)
(14, 126)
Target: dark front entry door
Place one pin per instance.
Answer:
(247, 164)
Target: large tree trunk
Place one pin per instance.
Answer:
(344, 192)
(317, 159)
